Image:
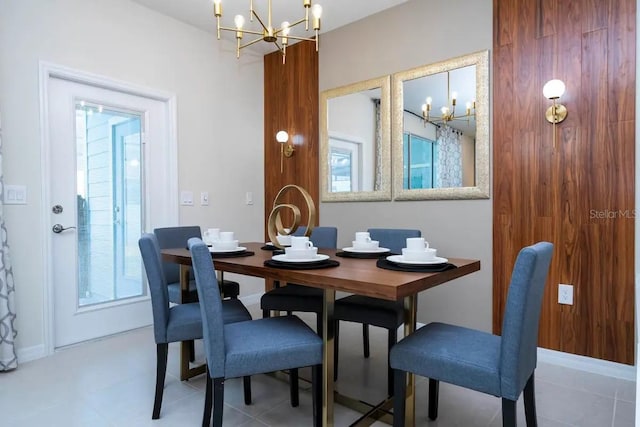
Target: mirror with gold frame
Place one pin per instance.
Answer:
(355, 142)
(440, 135)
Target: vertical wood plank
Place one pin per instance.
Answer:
(291, 103)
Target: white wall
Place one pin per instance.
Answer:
(219, 110)
(416, 33)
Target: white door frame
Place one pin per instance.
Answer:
(49, 70)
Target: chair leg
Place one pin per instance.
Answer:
(293, 387)
(246, 382)
(336, 353)
(365, 339)
(316, 394)
(208, 402)
(266, 313)
(218, 401)
(161, 372)
(399, 391)
(434, 391)
(391, 341)
(508, 413)
(530, 402)
(192, 351)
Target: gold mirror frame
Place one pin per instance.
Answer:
(481, 190)
(384, 192)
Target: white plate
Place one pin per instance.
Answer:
(284, 258)
(366, 251)
(227, 251)
(399, 259)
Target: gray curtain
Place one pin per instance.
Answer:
(8, 358)
(449, 169)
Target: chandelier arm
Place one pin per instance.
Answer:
(251, 42)
(302, 38)
(258, 33)
(259, 20)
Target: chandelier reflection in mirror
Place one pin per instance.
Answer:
(448, 111)
(278, 36)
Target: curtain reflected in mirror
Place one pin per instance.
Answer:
(355, 142)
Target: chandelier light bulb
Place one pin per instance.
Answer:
(316, 11)
(239, 21)
(553, 89)
(424, 107)
(429, 100)
(285, 28)
(454, 95)
(445, 111)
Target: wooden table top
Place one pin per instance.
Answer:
(358, 276)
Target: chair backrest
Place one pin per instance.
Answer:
(393, 238)
(175, 237)
(150, 251)
(322, 237)
(522, 317)
(210, 306)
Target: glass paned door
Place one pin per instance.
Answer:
(109, 203)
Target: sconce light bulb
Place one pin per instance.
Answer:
(239, 21)
(316, 11)
(553, 89)
(282, 137)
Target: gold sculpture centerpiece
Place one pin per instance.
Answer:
(275, 226)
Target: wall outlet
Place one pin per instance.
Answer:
(565, 294)
(204, 198)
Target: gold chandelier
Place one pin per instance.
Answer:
(448, 112)
(278, 36)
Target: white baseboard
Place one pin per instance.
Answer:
(28, 354)
(589, 364)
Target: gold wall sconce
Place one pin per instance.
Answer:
(556, 113)
(286, 149)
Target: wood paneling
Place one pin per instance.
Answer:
(291, 102)
(580, 193)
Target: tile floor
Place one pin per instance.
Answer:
(110, 382)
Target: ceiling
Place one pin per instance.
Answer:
(199, 13)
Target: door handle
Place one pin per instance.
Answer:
(58, 228)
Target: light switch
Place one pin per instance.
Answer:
(186, 198)
(15, 195)
(248, 197)
(204, 198)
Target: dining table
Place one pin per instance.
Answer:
(354, 275)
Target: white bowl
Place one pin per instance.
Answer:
(429, 254)
(309, 253)
(225, 245)
(363, 246)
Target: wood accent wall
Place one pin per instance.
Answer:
(291, 103)
(580, 193)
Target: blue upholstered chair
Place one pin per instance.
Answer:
(250, 347)
(502, 366)
(373, 311)
(181, 322)
(176, 237)
(300, 298)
